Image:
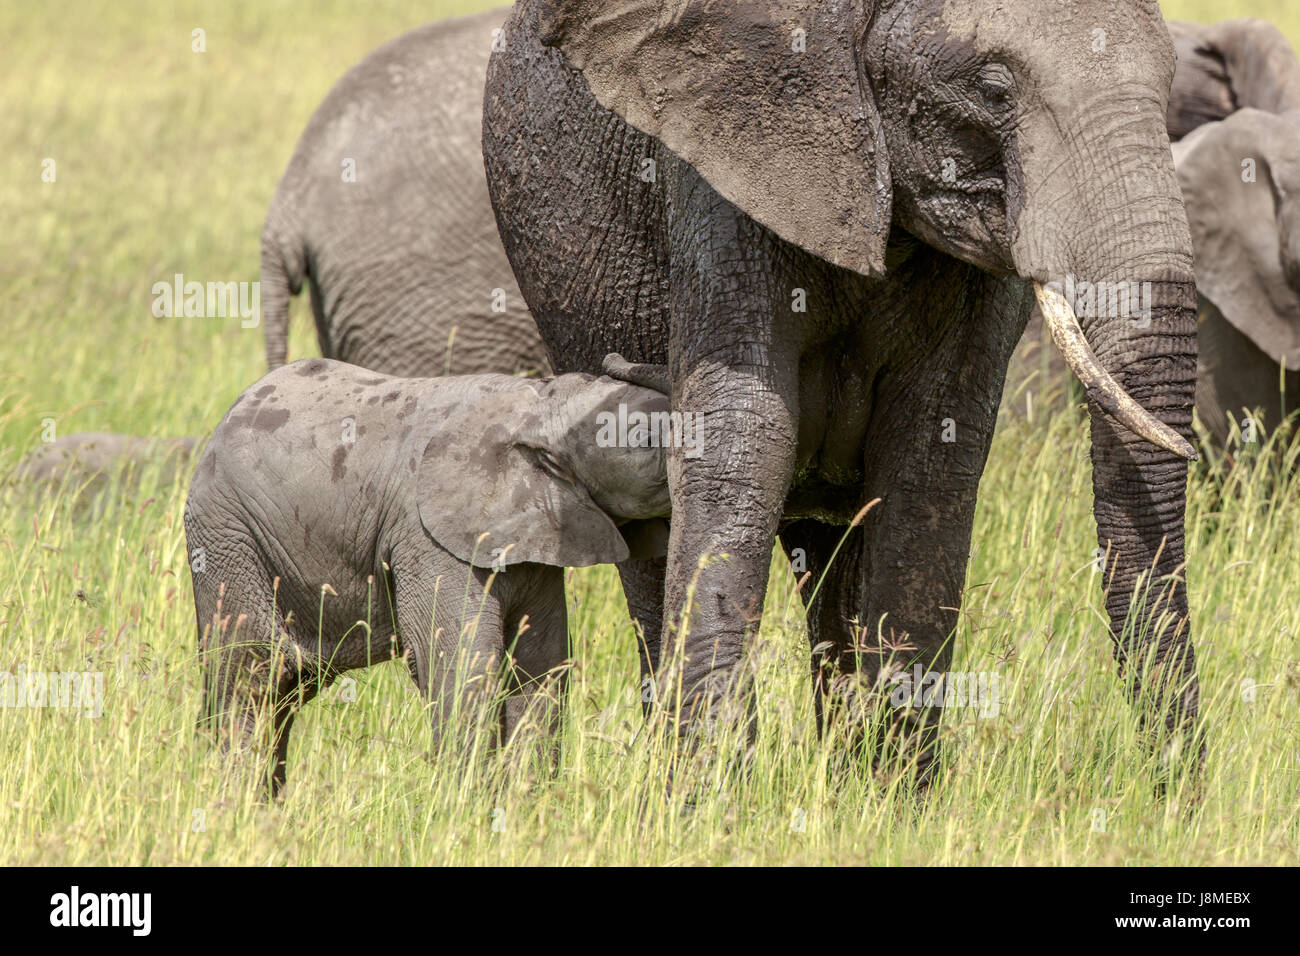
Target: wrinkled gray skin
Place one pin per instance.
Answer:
(407, 254)
(324, 473)
(1227, 66)
(88, 458)
(1247, 240)
(775, 171)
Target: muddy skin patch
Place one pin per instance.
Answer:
(263, 419)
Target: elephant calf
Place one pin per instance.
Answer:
(339, 517)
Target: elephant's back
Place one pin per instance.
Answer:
(418, 95)
(321, 457)
(317, 429)
(294, 434)
(387, 198)
(86, 453)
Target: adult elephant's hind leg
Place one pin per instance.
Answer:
(879, 613)
(852, 666)
(830, 597)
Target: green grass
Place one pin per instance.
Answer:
(166, 160)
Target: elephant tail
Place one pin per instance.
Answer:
(282, 275)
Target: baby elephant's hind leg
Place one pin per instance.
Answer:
(251, 686)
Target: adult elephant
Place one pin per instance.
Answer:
(1241, 181)
(828, 219)
(1230, 65)
(384, 212)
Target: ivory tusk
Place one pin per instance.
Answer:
(1100, 386)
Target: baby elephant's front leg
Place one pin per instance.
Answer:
(469, 654)
(537, 648)
(451, 626)
(458, 672)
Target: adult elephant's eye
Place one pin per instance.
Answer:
(995, 84)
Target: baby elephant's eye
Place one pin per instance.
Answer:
(995, 84)
(552, 465)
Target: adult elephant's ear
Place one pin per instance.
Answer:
(764, 99)
(1239, 178)
(493, 500)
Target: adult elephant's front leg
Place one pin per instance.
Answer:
(726, 506)
(734, 365)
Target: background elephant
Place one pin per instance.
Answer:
(1228, 66)
(441, 512)
(384, 211)
(1222, 67)
(1241, 181)
(86, 459)
(828, 220)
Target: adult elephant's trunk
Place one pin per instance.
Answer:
(1140, 428)
(1139, 492)
(1119, 257)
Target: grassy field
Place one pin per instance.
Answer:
(165, 160)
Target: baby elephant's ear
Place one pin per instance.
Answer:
(492, 503)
